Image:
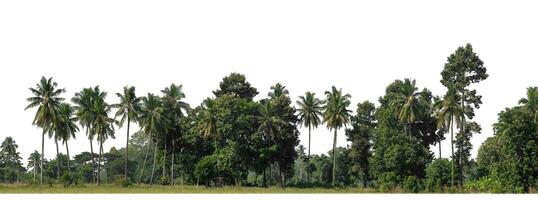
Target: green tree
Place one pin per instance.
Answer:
(236, 84)
(310, 110)
(438, 175)
(463, 68)
(33, 163)
(10, 161)
(336, 115)
(129, 108)
(407, 102)
(103, 127)
(66, 128)
(362, 129)
(47, 98)
(150, 121)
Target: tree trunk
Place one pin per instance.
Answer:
(127, 147)
(145, 158)
(172, 165)
(462, 131)
(42, 156)
(34, 168)
(93, 159)
(57, 160)
(452, 146)
(154, 160)
(164, 158)
(308, 163)
(99, 161)
(68, 158)
(440, 136)
(264, 178)
(409, 130)
(334, 158)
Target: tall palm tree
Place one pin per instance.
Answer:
(450, 112)
(208, 123)
(173, 101)
(336, 116)
(103, 127)
(47, 98)
(128, 108)
(441, 127)
(150, 119)
(66, 128)
(310, 110)
(407, 102)
(270, 123)
(33, 162)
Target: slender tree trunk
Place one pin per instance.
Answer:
(308, 163)
(34, 168)
(68, 158)
(99, 161)
(462, 131)
(42, 156)
(145, 158)
(409, 130)
(154, 161)
(93, 159)
(127, 147)
(264, 178)
(334, 158)
(172, 165)
(164, 158)
(452, 146)
(104, 163)
(440, 136)
(57, 160)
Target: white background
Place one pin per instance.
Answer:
(307, 45)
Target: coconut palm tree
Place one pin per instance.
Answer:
(47, 98)
(270, 122)
(531, 102)
(128, 108)
(310, 110)
(441, 127)
(103, 127)
(173, 102)
(66, 128)
(450, 112)
(407, 102)
(150, 119)
(336, 116)
(208, 123)
(33, 162)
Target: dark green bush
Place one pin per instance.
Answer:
(412, 184)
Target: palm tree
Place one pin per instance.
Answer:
(531, 102)
(128, 108)
(441, 127)
(336, 115)
(208, 123)
(46, 98)
(270, 123)
(150, 119)
(407, 102)
(33, 162)
(66, 128)
(103, 127)
(450, 112)
(173, 101)
(309, 110)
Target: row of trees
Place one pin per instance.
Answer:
(230, 138)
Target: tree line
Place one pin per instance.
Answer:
(231, 139)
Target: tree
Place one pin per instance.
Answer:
(47, 99)
(464, 147)
(438, 175)
(530, 103)
(129, 109)
(336, 115)
(450, 112)
(175, 107)
(464, 67)
(33, 163)
(362, 129)
(10, 161)
(310, 109)
(103, 127)
(236, 84)
(66, 128)
(150, 120)
(407, 103)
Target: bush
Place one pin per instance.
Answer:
(121, 182)
(164, 180)
(69, 180)
(412, 184)
(206, 169)
(437, 175)
(485, 184)
(388, 181)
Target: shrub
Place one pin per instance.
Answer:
(205, 169)
(164, 180)
(69, 180)
(485, 184)
(412, 184)
(387, 181)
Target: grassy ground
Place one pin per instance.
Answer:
(90, 188)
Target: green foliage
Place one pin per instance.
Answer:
(363, 127)
(206, 169)
(437, 175)
(388, 181)
(412, 184)
(235, 84)
(485, 184)
(69, 180)
(10, 161)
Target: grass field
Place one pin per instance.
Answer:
(90, 188)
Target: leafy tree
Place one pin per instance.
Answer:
(236, 84)
(309, 112)
(150, 123)
(464, 147)
(129, 109)
(336, 115)
(407, 102)
(438, 175)
(47, 98)
(464, 67)
(10, 161)
(362, 129)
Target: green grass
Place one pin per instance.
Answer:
(90, 188)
